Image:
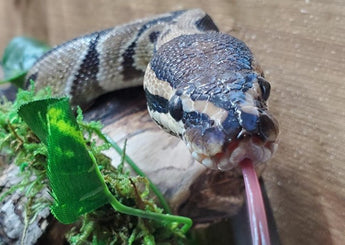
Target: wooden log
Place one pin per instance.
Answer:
(18, 227)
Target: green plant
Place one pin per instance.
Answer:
(107, 204)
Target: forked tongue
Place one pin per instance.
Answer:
(256, 208)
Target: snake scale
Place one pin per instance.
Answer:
(201, 85)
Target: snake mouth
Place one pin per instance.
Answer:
(253, 137)
(236, 151)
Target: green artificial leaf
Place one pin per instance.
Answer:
(77, 186)
(19, 56)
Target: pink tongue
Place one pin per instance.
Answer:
(256, 208)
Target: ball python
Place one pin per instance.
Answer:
(201, 85)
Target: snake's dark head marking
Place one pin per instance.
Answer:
(214, 99)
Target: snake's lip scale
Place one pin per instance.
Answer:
(257, 151)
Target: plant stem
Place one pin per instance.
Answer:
(187, 222)
(256, 208)
(118, 206)
(137, 170)
(164, 218)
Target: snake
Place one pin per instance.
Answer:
(201, 85)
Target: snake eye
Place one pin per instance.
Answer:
(175, 108)
(265, 88)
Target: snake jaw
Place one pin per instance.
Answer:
(251, 149)
(214, 152)
(235, 152)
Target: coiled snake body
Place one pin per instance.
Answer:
(201, 85)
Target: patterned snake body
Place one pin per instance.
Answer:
(201, 85)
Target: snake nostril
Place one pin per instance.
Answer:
(267, 128)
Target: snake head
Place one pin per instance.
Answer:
(208, 90)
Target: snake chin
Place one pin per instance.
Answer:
(229, 159)
(250, 149)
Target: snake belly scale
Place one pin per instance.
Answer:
(201, 85)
